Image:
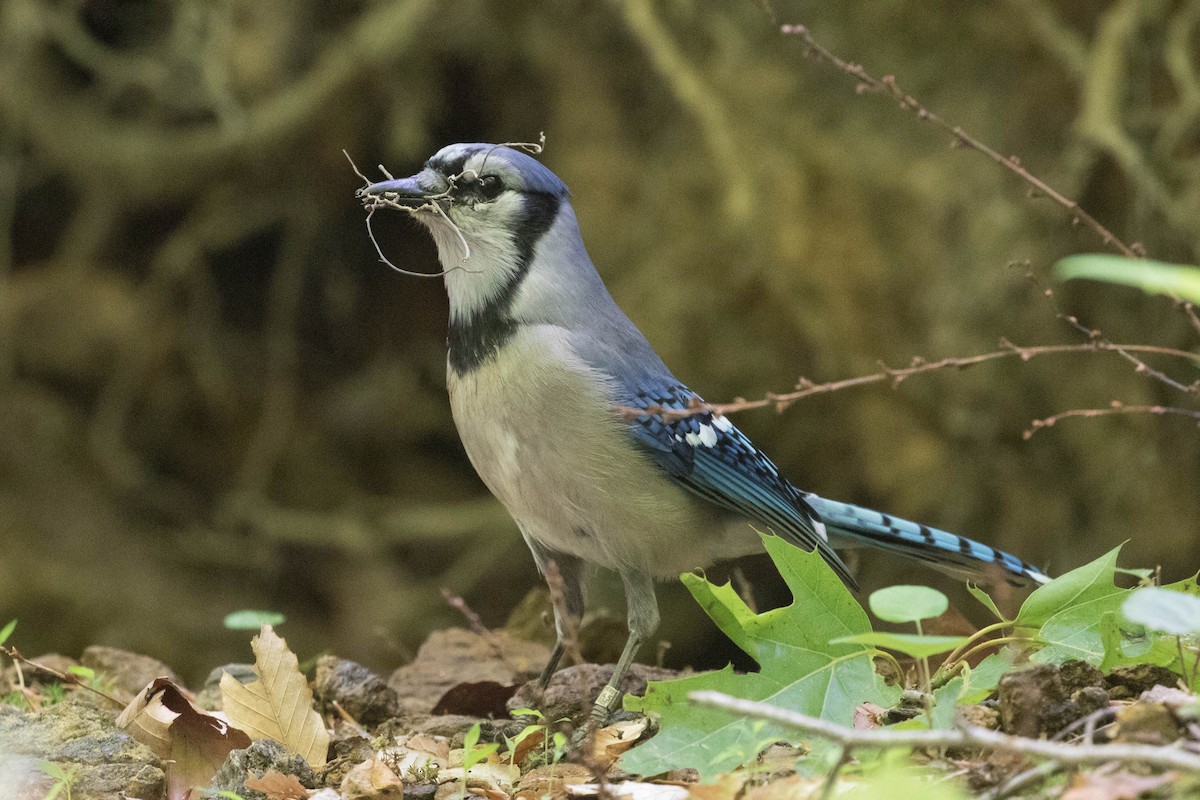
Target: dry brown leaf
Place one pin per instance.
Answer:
(1114, 785)
(528, 745)
(279, 705)
(612, 740)
(277, 786)
(868, 715)
(192, 743)
(372, 780)
(726, 787)
(794, 787)
(634, 790)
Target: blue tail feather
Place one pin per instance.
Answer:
(849, 526)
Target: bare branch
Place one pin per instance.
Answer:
(1166, 757)
(887, 85)
(1117, 407)
(806, 388)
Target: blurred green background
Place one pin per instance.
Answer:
(213, 396)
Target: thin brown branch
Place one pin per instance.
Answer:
(806, 388)
(1165, 757)
(476, 623)
(1096, 335)
(1117, 407)
(887, 85)
(562, 613)
(63, 677)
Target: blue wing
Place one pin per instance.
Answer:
(710, 457)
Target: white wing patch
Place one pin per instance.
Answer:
(722, 424)
(708, 437)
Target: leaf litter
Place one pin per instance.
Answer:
(1086, 662)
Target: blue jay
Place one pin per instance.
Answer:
(540, 357)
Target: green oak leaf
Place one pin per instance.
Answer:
(1065, 614)
(799, 670)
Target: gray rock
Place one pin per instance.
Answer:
(453, 656)
(573, 690)
(209, 697)
(257, 759)
(361, 693)
(131, 672)
(78, 735)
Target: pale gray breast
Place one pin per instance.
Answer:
(538, 425)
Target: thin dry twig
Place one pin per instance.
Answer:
(1116, 407)
(64, 677)
(806, 388)
(476, 623)
(1166, 757)
(569, 622)
(867, 83)
(887, 85)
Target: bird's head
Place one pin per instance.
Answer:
(487, 207)
(488, 195)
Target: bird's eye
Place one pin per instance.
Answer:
(490, 186)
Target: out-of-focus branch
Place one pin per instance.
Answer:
(700, 101)
(9, 183)
(278, 408)
(1062, 42)
(151, 162)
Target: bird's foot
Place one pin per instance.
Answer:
(601, 710)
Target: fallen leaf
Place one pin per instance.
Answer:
(527, 745)
(868, 715)
(372, 780)
(277, 786)
(279, 705)
(726, 787)
(477, 699)
(486, 775)
(635, 790)
(1119, 785)
(548, 780)
(191, 742)
(794, 787)
(612, 740)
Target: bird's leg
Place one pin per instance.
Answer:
(642, 609)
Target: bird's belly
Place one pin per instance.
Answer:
(539, 428)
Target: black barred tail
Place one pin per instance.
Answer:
(854, 526)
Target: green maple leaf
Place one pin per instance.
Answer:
(799, 670)
(1067, 613)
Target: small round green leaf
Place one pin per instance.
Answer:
(908, 643)
(249, 619)
(1164, 610)
(908, 603)
(7, 630)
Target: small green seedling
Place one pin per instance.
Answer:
(249, 619)
(64, 779)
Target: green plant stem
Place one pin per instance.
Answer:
(991, 643)
(956, 654)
